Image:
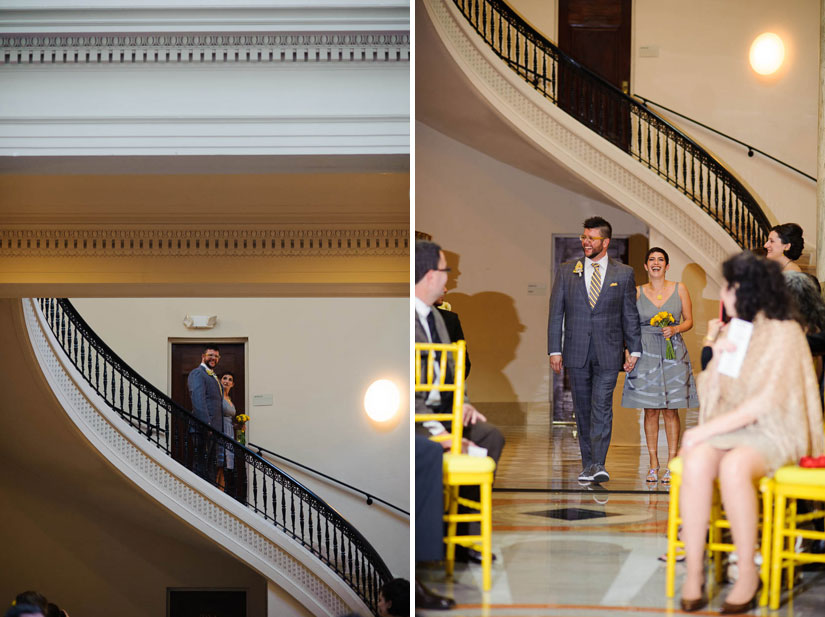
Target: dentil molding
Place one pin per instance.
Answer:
(203, 47)
(364, 241)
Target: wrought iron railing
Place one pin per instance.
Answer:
(369, 497)
(254, 481)
(751, 149)
(624, 122)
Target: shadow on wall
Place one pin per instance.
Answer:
(493, 330)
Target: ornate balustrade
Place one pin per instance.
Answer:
(620, 119)
(254, 481)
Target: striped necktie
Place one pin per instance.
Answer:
(595, 286)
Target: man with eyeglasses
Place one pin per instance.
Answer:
(430, 277)
(206, 394)
(593, 317)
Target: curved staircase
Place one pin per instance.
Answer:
(593, 130)
(270, 522)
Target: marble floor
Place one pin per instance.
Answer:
(570, 551)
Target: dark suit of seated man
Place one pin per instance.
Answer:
(456, 333)
(430, 276)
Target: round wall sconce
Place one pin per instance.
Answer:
(767, 53)
(382, 400)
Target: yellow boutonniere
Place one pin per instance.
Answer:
(578, 269)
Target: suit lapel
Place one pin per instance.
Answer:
(580, 283)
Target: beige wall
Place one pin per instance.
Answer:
(497, 224)
(702, 71)
(541, 14)
(316, 358)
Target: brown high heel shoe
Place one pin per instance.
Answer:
(735, 609)
(697, 604)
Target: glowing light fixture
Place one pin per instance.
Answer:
(382, 400)
(767, 53)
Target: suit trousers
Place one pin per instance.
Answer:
(429, 500)
(592, 389)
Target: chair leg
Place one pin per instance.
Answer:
(791, 542)
(776, 552)
(715, 536)
(765, 547)
(452, 510)
(672, 534)
(486, 532)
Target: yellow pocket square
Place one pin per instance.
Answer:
(613, 284)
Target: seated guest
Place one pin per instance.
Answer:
(394, 598)
(454, 329)
(809, 308)
(429, 509)
(784, 246)
(749, 425)
(430, 277)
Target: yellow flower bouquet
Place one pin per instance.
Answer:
(240, 428)
(662, 320)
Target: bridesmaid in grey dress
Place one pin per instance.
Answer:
(656, 384)
(226, 456)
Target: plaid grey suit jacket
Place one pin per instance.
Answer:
(610, 325)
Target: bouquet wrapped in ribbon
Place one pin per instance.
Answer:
(662, 320)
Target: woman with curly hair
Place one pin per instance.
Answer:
(784, 246)
(749, 425)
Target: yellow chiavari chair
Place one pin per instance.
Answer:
(459, 469)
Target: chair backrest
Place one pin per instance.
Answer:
(426, 380)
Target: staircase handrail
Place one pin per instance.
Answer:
(751, 149)
(352, 557)
(370, 498)
(617, 117)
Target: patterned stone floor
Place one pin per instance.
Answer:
(569, 551)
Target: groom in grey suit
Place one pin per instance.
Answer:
(207, 399)
(593, 317)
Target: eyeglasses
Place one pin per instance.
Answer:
(443, 269)
(583, 238)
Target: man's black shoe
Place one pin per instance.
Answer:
(474, 556)
(426, 599)
(469, 555)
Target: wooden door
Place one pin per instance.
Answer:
(596, 33)
(186, 356)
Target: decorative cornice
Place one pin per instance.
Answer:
(373, 241)
(204, 47)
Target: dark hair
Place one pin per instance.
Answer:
(18, 610)
(397, 593)
(759, 286)
(656, 249)
(808, 304)
(231, 374)
(53, 610)
(790, 233)
(426, 258)
(32, 597)
(597, 222)
(212, 346)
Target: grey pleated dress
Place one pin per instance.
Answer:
(226, 456)
(657, 383)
